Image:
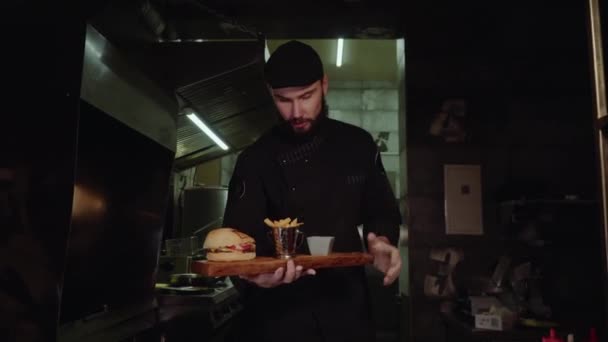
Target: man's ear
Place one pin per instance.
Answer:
(324, 84)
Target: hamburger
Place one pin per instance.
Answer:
(228, 244)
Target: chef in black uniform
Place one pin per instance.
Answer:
(329, 175)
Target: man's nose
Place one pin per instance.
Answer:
(296, 110)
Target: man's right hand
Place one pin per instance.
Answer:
(283, 275)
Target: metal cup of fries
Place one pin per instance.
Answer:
(286, 236)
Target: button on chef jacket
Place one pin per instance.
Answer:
(332, 180)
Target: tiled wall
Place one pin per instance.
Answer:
(373, 106)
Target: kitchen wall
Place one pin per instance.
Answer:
(373, 106)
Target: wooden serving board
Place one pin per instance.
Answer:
(268, 265)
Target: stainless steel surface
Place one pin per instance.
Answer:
(179, 43)
(236, 104)
(286, 241)
(191, 139)
(169, 265)
(241, 19)
(215, 308)
(217, 296)
(101, 326)
(182, 247)
(111, 83)
(210, 225)
(200, 207)
(120, 192)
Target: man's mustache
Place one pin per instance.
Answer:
(299, 121)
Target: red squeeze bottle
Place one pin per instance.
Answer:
(552, 337)
(593, 335)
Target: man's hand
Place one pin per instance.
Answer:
(386, 257)
(283, 275)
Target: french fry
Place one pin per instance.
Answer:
(284, 223)
(269, 223)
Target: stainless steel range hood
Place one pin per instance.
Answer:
(202, 57)
(145, 84)
(235, 104)
(113, 85)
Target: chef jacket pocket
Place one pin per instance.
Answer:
(356, 179)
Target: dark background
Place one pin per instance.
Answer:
(524, 71)
(522, 67)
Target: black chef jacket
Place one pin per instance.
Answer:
(332, 180)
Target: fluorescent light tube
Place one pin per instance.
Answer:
(195, 119)
(340, 51)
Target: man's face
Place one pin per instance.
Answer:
(301, 106)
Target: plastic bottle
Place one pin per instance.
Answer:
(552, 337)
(593, 335)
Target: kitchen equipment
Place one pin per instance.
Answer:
(177, 257)
(186, 290)
(116, 224)
(201, 209)
(196, 310)
(192, 284)
(187, 246)
(233, 101)
(193, 279)
(286, 241)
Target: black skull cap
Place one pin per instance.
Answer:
(293, 64)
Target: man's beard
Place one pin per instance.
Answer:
(314, 123)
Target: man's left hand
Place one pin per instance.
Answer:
(386, 257)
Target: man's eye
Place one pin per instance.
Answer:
(306, 96)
